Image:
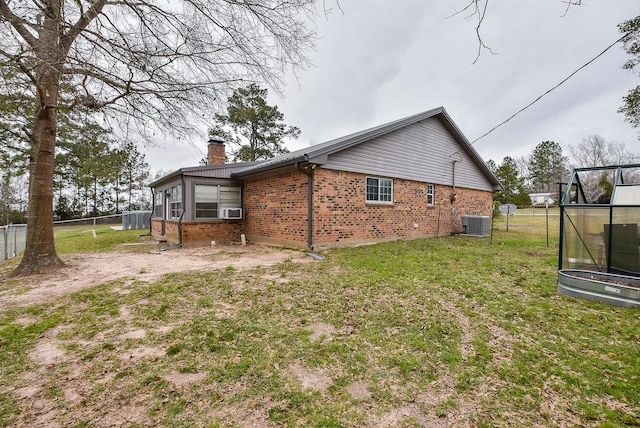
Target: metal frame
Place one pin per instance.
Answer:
(580, 201)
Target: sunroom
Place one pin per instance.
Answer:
(194, 206)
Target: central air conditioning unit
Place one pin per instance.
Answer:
(476, 225)
(231, 213)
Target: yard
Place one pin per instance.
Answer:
(451, 331)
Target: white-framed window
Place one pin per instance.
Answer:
(209, 199)
(380, 190)
(157, 209)
(430, 194)
(176, 201)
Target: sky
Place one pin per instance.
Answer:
(376, 61)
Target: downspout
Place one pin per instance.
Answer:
(153, 206)
(179, 243)
(454, 195)
(309, 205)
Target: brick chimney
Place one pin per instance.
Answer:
(215, 152)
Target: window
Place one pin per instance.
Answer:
(176, 201)
(157, 209)
(430, 189)
(379, 190)
(210, 199)
(206, 198)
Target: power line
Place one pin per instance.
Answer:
(550, 90)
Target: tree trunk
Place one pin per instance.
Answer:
(40, 253)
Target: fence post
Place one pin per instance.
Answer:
(547, 213)
(15, 241)
(5, 244)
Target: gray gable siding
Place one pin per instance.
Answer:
(423, 151)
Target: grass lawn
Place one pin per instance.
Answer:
(437, 332)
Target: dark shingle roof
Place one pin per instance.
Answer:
(319, 152)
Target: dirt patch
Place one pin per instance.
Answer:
(133, 334)
(314, 379)
(359, 391)
(502, 343)
(86, 270)
(125, 416)
(47, 353)
(320, 330)
(183, 380)
(397, 416)
(466, 333)
(142, 352)
(245, 414)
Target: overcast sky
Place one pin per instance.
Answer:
(380, 61)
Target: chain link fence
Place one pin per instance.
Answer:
(13, 238)
(538, 223)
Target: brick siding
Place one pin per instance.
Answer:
(171, 230)
(276, 209)
(199, 233)
(342, 215)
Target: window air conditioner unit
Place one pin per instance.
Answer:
(231, 213)
(476, 225)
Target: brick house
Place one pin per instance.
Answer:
(414, 177)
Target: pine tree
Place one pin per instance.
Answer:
(547, 167)
(254, 127)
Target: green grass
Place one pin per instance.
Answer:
(80, 239)
(444, 331)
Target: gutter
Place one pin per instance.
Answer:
(309, 205)
(454, 195)
(153, 206)
(179, 243)
(270, 164)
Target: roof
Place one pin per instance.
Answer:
(320, 152)
(216, 171)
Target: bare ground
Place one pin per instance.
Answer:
(148, 264)
(86, 270)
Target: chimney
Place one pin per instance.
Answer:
(215, 152)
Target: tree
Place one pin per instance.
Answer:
(151, 67)
(76, 127)
(478, 9)
(257, 128)
(522, 163)
(132, 171)
(513, 191)
(595, 151)
(547, 167)
(631, 42)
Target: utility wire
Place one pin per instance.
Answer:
(550, 90)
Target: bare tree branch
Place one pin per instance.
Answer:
(476, 9)
(18, 23)
(148, 66)
(86, 17)
(569, 4)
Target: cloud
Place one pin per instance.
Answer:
(382, 60)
